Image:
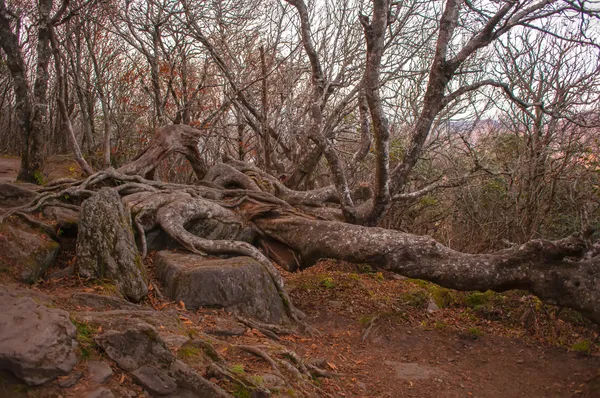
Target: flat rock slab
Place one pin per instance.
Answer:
(37, 343)
(239, 284)
(140, 351)
(25, 253)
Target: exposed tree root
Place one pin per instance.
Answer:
(224, 213)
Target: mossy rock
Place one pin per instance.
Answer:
(106, 246)
(239, 284)
(25, 253)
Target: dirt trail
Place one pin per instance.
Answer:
(404, 361)
(9, 168)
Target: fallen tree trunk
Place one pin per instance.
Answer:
(556, 271)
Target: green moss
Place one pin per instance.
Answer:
(475, 332)
(327, 283)
(241, 392)
(583, 347)
(257, 379)
(354, 277)
(85, 338)
(237, 369)
(415, 298)
(419, 282)
(40, 178)
(187, 351)
(478, 299)
(378, 276)
(364, 268)
(439, 325)
(442, 297)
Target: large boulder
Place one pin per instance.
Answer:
(239, 284)
(37, 343)
(106, 247)
(26, 253)
(138, 349)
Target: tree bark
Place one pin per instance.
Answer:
(556, 272)
(29, 111)
(173, 138)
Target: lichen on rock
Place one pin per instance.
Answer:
(106, 246)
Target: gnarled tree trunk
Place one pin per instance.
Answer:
(236, 206)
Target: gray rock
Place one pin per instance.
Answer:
(142, 352)
(25, 253)
(99, 371)
(135, 347)
(71, 380)
(432, 306)
(101, 392)
(175, 340)
(106, 246)
(100, 302)
(272, 381)
(37, 343)
(156, 380)
(239, 284)
(66, 219)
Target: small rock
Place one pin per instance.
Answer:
(335, 303)
(432, 306)
(99, 371)
(272, 381)
(520, 361)
(361, 385)
(462, 386)
(101, 392)
(71, 380)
